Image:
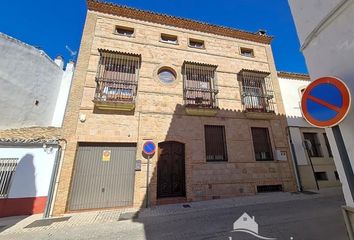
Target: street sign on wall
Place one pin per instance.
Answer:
(325, 102)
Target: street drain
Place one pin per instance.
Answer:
(186, 206)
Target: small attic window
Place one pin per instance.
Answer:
(125, 31)
(166, 38)
(195, 43)
(247, 52)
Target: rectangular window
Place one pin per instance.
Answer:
(199, 87)
(327, 145)
(7, 170)
(257, 93)
(125, 31)
(247, 52)
(166, 38)
(195, 43)
(261, 143)
(117, 77)
(315, 146)
(215, 143)
(321, 176)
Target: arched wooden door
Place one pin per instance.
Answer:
(171, 170)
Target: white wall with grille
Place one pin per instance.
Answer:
(31, 169)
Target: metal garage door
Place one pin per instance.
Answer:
(103, 176)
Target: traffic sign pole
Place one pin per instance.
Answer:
(348, 169)
(149, 149)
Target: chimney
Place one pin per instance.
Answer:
(262, 32)
(70, 66)
(59, 61)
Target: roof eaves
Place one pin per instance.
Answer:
(124, 11)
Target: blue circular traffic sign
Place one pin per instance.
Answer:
(149, 147)
(325, 102)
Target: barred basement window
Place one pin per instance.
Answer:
(125, 31)
(261, 143)
(7, 170)
(257, 93)
(117, 77)
(199, 89)
(215, 143)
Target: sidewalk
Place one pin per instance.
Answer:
(34, 223)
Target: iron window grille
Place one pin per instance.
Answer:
(7, 170)
(215, 143)
(315, 150)
(257, 94)
(261, 144)
(199, 88)
(117, 77)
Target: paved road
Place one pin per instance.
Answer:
(311, 219)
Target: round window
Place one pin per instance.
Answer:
(167, 75)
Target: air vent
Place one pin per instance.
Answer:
(269, 188)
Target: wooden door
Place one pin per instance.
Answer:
(171, 170)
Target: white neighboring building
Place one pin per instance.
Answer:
(325, 30)
(34, 92)
(291, 86)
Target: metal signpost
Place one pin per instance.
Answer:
(149, 149)
(325, 103)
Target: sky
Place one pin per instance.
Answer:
(51, 25)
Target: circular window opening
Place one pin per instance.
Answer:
(167, 75)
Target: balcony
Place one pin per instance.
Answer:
(200, 102)
(257, 95)
(199, 91)
(115, 95)
(117, 81)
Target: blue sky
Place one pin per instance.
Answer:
(51, 25)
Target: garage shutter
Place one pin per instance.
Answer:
(103, 176)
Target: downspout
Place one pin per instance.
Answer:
(295, 164)
(54, 180)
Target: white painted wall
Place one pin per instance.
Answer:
(27, 75)
(33, 172)
(330, 52)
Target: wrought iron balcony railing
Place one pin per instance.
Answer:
(202, 98)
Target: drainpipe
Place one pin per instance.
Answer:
(295, 164)
(54, 181)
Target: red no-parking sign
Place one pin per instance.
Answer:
(325, 102)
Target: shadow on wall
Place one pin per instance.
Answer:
(179, 171)
(22, 199)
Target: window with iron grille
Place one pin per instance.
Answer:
(261, 144)
(315, 150)
(257, 93)
(327, 145)
(7, 170)
(117, 77)
(215, 143)
(199, 89)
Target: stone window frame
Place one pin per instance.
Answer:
(174, 68)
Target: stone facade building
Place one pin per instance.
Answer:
(320, 155)
(207, 96)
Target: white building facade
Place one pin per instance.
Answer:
(314, 167)
(325, 30)
(34, 93)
